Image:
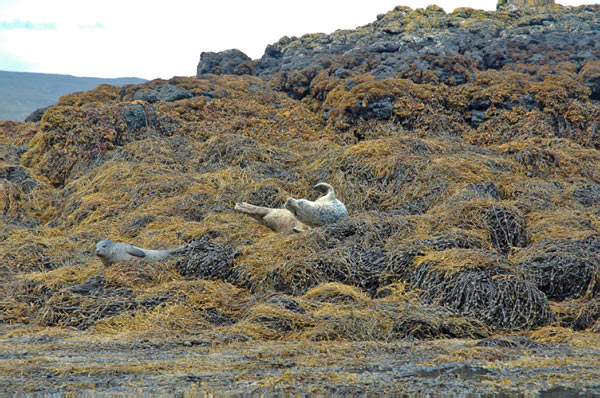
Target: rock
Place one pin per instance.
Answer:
(381, 109)
(165, 93)
(394, 45)
(135, 117)
(225, 62)
(36, 115)
(477, 117)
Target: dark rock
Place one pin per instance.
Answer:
(165, 93)
(36, 115)
(594, 86)
(588, 195)
(481, 104)
(169, 93)
(135, 116)
(342, 73)
(387, 47)
(381, 109)
(477, 117)
(225, 62)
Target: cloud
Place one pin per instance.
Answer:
(27, 25)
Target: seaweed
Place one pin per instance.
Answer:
(483, 286)
(471, 183)
(563, 268)
(205, 260)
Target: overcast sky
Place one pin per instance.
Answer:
(164, 38)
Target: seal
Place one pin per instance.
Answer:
(278, 220)
(325, 210)
(111, 252)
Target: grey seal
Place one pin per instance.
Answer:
(325, 210)
(279, 220)
(111, 252)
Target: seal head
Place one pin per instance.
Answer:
(325, 210)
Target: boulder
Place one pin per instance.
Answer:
(225, 62)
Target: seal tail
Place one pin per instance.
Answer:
(178, 250)
(257, 212)
(327, 190)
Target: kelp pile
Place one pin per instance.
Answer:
(474, 203)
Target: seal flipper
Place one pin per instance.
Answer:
(134, 251)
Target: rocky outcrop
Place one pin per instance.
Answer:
(429, 45)
(225, 62)
(36, 115)
(409, 42)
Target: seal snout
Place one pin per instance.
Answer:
(101, 248)
(289, 204)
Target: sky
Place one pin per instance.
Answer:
(164, 38)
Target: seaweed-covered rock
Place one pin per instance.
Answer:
(590, 75)
(507, 228)
(481, 285)
(563, 268)
(203, 259)
(459, 143)
(430, 44)
(165, 93)
(72, 139)
(579, 314)
(82, 305)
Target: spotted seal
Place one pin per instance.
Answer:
(279, 220)
(325, 210)
(111, 252)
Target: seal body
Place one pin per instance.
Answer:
(325, 210)
(279, 220)
(111, 252)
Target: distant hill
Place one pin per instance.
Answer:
(21, 92)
